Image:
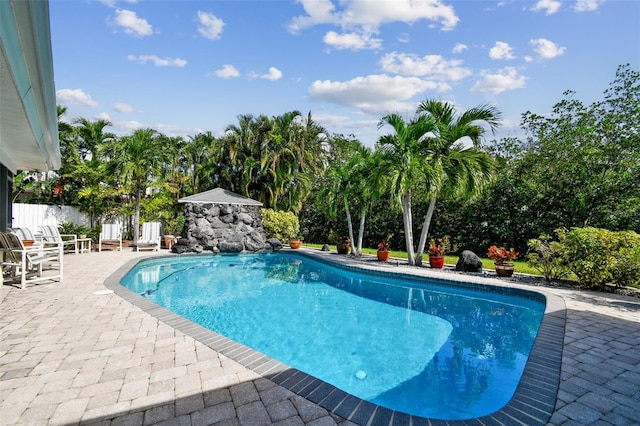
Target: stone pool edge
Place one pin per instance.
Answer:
(533, 401)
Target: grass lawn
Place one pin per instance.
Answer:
(521, 266)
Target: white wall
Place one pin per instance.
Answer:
(33, 215)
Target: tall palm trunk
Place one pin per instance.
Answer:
(408, 226)
(363, 215)
(349, 225)
(136, 216)
(425, 231)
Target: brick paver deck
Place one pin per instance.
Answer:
(76, 353)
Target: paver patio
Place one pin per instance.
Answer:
(75, 353)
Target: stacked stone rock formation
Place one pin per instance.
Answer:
(222, 228)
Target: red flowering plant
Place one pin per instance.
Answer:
(383, 246)
(441, 246)
(502, 256)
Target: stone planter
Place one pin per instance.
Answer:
(383, 256)
(295, 244)
(505, 270)
(436, 262)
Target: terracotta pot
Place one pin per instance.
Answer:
(169, 240)
(27, 243)
(436, 261)
(383, 255)
(342, 248)
(505, 270)
(295, 244)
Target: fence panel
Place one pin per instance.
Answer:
(34, 215)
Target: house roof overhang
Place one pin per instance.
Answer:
(28, 112)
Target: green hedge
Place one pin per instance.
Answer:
(281, 225)
(596, 256)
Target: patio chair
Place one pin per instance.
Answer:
(26, 235)
(111, 233)
(28, 261)
(52, 235)
(150, 239)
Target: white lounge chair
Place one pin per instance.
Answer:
(52, 235)
(111, 233)
(150, 239)
(28, 261)
(25, 234)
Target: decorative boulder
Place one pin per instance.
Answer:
(469, 262)
(230, 247)
(273, 244)
(326, 248)
(179, 248)
(254, 241)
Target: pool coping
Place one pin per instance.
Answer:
(533, 401)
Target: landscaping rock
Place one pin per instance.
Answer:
(223, 228)
(179, 248)
(273, 244)
(326, 247)
(469, 262)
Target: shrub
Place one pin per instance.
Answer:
(545, 255)
(599, 257)
(281, 225)
(71, 228)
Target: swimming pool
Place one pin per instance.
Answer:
(430, 350)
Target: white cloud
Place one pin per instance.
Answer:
(157, 61)
(227, 71)
(374, 94)
(131, 24)
(404, 38)
(459, 48)
(112, 3)
(129, 126)
(75, 96)
(352, 41)
(122, 107)
(505, 79)
(369, 15)
(210, 25)
(501, 50)
(273, 74)
(587, 5)
(103, 116)
(546, 49)
(434, 66)
(550, 6)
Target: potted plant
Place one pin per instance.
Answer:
(344, 245)
(173, 228)
(296, 242)
(383, 251)
(437, 250)
(501, 257)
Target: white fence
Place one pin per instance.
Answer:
(34, 215)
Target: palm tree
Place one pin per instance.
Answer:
(404, 162)
(362, 188)
(135, 161)
(200, 156)
(460, 171)
(91, 134)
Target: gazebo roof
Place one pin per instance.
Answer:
(219, 196)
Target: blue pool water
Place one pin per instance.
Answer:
(417, 347)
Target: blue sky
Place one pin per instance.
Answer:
(185, 67)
